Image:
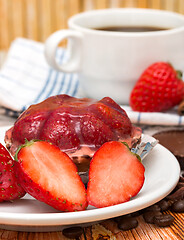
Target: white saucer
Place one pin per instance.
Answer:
(27, 214)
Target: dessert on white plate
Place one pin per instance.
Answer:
(77, 126)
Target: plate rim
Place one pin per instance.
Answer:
(87, 216)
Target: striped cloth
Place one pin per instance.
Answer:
(26, 78)
(169, 118)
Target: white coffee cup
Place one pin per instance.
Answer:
(109, 63)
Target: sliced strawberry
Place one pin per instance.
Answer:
(10, 188)
(50, 176)
(115, 175)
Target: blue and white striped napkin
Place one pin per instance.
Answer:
(169, 118)
(26, 78)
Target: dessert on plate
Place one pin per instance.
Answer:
(77, 126)
(57, 140)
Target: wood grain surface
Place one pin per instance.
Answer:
(108, 230)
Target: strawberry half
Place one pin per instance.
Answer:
(115, 175)
(50, 176)
(159, 88)
(10, 188)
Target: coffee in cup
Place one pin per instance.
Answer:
(110, 48)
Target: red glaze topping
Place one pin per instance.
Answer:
(73, 124)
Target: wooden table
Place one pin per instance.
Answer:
(108, 230)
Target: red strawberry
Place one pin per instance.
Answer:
(158, 89)
(50, 176)
(115, 175)
(10, 188)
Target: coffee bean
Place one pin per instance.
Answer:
(177, 195)
(149, 216)
(137, 213)
(178, 206)
(73, 232)
(118, 219)
(179, 185)
(154, 208)
(182, 175)
(127, 223)
(164, 205)
(134, 214)
(121, 218)
(163, 220)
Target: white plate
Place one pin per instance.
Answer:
(27, 214)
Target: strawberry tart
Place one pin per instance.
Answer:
(77, 126)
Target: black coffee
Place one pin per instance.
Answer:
(131, 29)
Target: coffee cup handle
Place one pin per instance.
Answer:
(74, 46)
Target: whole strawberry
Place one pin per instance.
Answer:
(10, 188)
(159, 88)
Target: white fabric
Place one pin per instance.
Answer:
(26, 78)
(169, 118)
